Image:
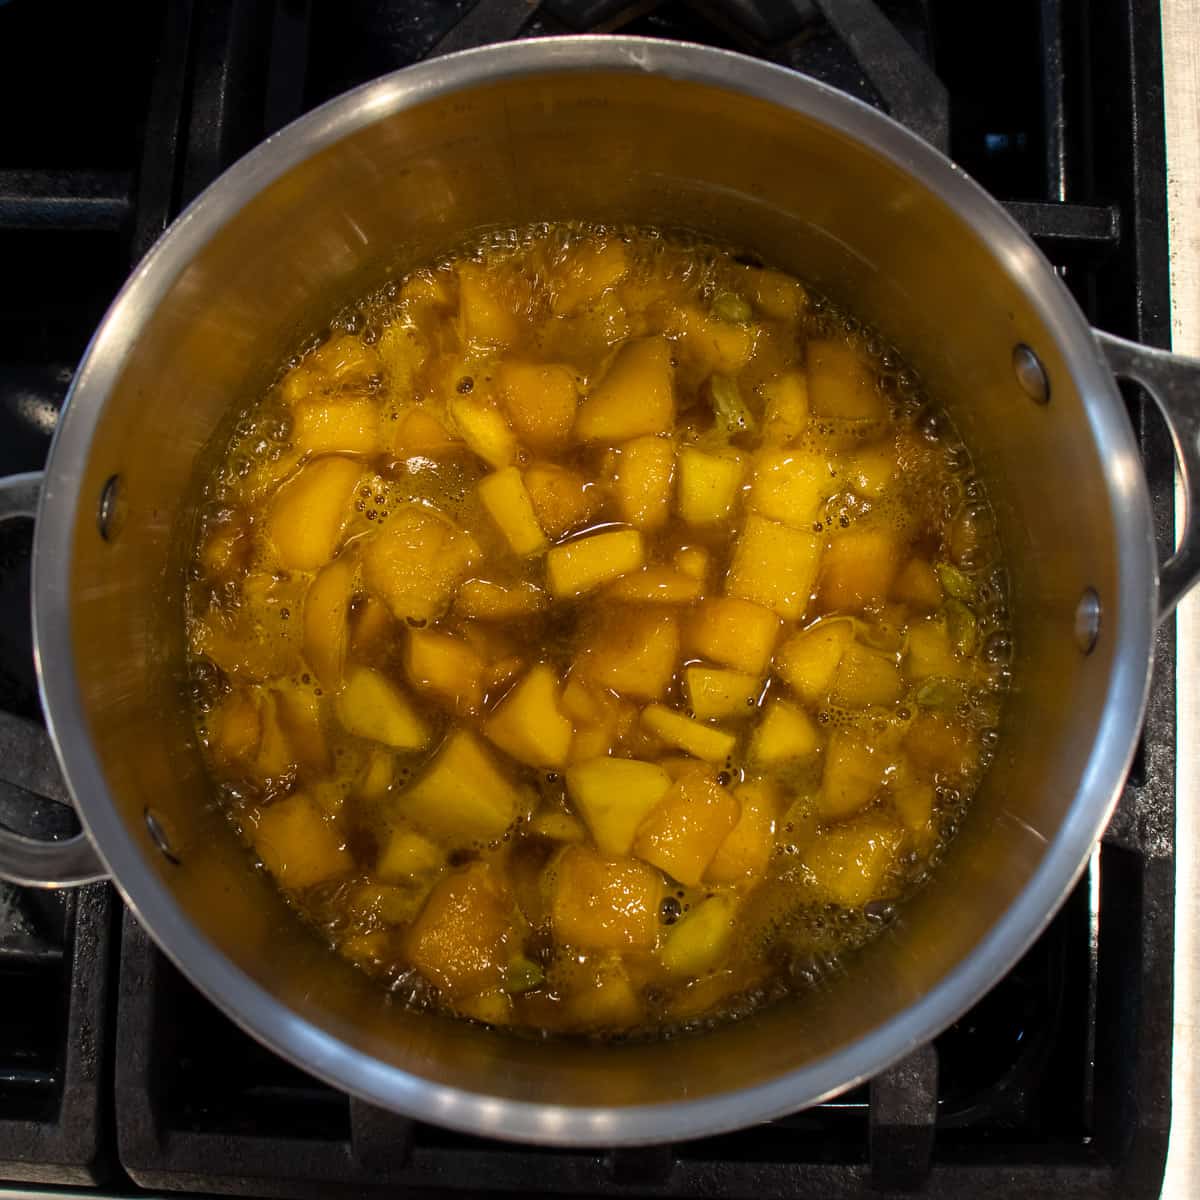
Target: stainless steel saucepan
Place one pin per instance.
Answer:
(611, 129)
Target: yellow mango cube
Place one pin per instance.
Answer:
(298, 845)
(378, 775)
(777, 295)
(275, 754)
(916, 583)
(370, 624)
(557, 826)
(460, 940)
(462, 797)
(865, 677)
(416, 561)
(808, 661)
(698, 942)
(693, 737)
(714, 344)
(483, 600)
(842, 384)
(784, 734)
(326, 621)
(607, 1002)
(589, 271)
(604, 903)
(299, 712)
(540, 400)
(774, 565)
(530, 724)
(733, 632)
(337, 425)
(858, 568)
(407, 855)
(645, 471)
(447, 666)
(484, 429)
(937, 744)
(791, 485)
(308, 514)
(614, 795)
(634, 653)
(719, 692)
(563, 500)
(485, 314)
(635, 397)
(234, 727)
(508, 503)
(655, 585)
(492, 1008)
(693, 561)
(785, 415)
(913, 799)
(574, 568)
(420, 431)
(855, 771)
(849, 863)
(873, 469)
(371, 706)
(683, 832)
(709, 484)
(930, 653)
(749, 845)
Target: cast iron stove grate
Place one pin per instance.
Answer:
(1059, 1079)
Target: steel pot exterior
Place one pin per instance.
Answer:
(609, 129)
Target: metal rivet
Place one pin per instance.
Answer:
(111, 514)
(1030, 373)
(1087, 621)
(156, 826)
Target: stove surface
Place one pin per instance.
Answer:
(115, 1075)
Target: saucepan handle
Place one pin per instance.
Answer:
(32, 764)
(1174, 383)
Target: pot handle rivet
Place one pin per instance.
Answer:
(110, 516)
(156, 826)
(1087, 620)
(1030, 373)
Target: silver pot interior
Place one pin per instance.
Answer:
(405, 170)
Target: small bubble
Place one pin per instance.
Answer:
(416, 622)
(464, 385)
(669, 911)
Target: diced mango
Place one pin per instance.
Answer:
(608, 1002)
(858, 568)
(345, 360)
(540, 399)
(808, 661)
(785, 417)
(654, 585)
(718, 692)
(401, 350)
(370, 623)
(711, 342)
(484, 429)
(378, 775)
(791, 485)
(485, 314)
(776, 294)
(693, 561)
(603, 903)
(636, 396)
(917, 584)
(709, 484)
(774, 565)
(614, 795)
(492, 1008)
(855, 770)
(930, 653)
(342, 425)
(841, 383)
(849, 862)
(509, 505)
(698, 942)
(447, 666)
(872, 470)
(421, 431)
(530, 724)
(557, 826)
(784, 734)
(460, 940)
(912, 798)
(462, 797)
(865, 677)
(694, 737)
(372, 707)
(589, 271)
(939, 745)
(406, 855)
(416, 561)
(684, 831)
(563, 500)
(298, 845)
(747, 848)
(584, 564)
(326, 616)
(275, 754)
(234, 727)
(482, 600)
(734, 633)
(633, 652)
(645, 470)
(308, 514)
(299, 712)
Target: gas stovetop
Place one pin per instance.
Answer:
(115, 1075)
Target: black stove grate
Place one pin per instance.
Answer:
(1058, 1080)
